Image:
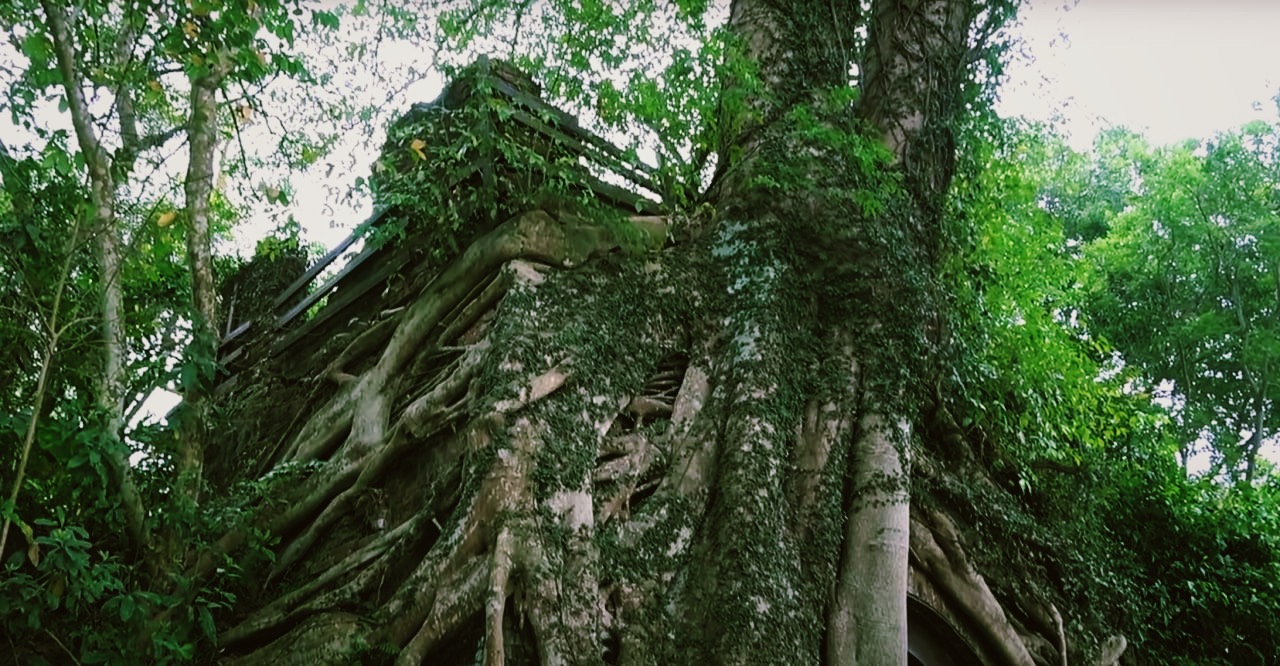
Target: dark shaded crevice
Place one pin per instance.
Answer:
(645, 490)
(518, 637)
(466, 645)
(932, 641)
(405, 560)
(463, 647)
(612, 648)
(407, 557)
(667, 377)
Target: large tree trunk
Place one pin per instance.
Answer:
(552, 454)
(911, 72)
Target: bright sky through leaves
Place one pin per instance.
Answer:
(1172, 69)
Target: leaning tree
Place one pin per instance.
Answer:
(564, 434)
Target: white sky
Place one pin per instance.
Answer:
(1173, 69)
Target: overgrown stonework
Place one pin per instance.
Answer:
(587, 437)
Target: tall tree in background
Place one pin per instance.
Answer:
(43, 321)
(124, 55)
(105, 170)
(1185, 279)
(120, 71)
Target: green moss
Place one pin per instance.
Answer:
(608, 325)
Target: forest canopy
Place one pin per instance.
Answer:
(663, 421)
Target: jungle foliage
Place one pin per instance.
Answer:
(1122, 309)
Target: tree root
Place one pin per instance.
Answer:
(278, 612)
(354, 428)
(361, 408)
(862, 624)
(693, 456)
(1111, 650)
(503, 493)
(460, 323)
(499, 589)
(369, 340)
(637, 455)
(453, 598)
(825, 425)
(321, 639)
(935, 547)
(1046, 615)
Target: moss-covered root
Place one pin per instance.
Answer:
(522, 534)
(324, 638)
(358, 420)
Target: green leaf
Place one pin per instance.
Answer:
(206, 624)
(38, 48)
(324, 19)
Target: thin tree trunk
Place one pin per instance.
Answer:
(37, 402)
(111, 384)
(54, 328)
(202, 134)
